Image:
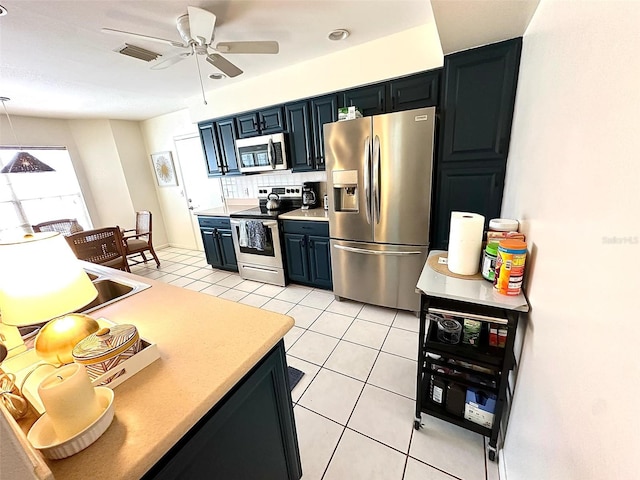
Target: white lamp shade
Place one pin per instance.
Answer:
(40, 279)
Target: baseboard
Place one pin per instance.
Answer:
(502, 468)
(175, 245)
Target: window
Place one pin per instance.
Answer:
(30, 198)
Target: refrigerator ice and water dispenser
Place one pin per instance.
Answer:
(345, 190)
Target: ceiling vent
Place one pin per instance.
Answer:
(138, 52)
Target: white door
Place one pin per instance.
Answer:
(198, 190)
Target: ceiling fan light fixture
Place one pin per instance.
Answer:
(338, 34)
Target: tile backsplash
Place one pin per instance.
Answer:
(246, 186)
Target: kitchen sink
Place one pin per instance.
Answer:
(108, 291)
(111, 287)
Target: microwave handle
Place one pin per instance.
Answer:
(271, 155)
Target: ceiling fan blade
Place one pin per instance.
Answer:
(201, 25)
(172, 60)
(224, 65)
(248, 47)
(144, 37)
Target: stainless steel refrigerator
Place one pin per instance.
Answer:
(379, 173)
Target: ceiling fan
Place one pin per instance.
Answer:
(196, 30)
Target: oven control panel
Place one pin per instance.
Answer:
(283, 191)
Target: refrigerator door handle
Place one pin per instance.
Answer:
(367, 178)
(376, 252)
(376, 179)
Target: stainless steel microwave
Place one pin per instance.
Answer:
(262, 154)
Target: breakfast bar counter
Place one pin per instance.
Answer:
(207, 346)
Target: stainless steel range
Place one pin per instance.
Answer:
(256, 234)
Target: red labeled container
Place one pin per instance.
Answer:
(510, 261)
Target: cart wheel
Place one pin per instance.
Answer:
(492, 455)
(416, 424)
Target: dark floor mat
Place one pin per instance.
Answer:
(294, 376)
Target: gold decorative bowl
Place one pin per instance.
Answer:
(55, 341)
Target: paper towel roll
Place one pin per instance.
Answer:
(465, 242)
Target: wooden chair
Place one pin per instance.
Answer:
(65, 226)
(103, 246)
(139, 241)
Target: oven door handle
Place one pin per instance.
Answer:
(266, 224)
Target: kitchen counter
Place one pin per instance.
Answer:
(472, 291)
(207, 345)
(313, 214)
(228, 209)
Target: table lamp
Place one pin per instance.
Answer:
(40, 280)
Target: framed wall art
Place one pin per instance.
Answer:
(165, 171)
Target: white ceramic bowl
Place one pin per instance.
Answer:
(43, 437)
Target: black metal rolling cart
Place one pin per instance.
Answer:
(448, 372)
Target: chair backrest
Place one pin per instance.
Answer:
(66, 226)
(143, 223)
(102, 245)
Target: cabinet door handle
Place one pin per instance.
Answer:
(255, 124)
(303, 242)
(311, 243)
(308, 159)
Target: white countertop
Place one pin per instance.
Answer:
(313, 214)
(481, 292)
(226, 210)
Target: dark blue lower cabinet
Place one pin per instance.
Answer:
(211, 250)
(218, 242)
(229, 260)
(320, 262)
(297, 257)
(249, 435)
(307, 252)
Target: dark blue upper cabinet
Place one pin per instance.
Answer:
(210, 149)
(478, 101)
(226, 132)
(261, 122)
(271, 120)
(323, 110)
(300, 135)
(248, 125)
(415, 91)
(370, 100)
(479, 87)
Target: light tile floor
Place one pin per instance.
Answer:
(354, 407)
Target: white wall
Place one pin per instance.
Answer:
(159, 134)
(99, 156)
(140, 180)
(409, 51)
(572, 178)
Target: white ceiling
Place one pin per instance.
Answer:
(55, 61)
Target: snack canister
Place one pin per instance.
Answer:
(510, 266)
(489, 261)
